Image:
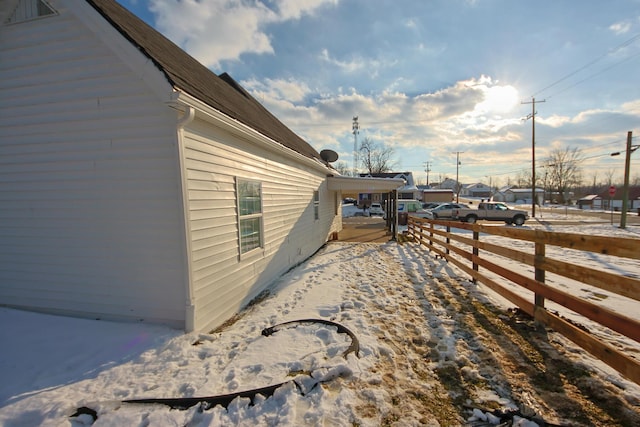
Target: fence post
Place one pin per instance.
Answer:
(430, 234)
(539, 273)
(448, 240)
(476, 238)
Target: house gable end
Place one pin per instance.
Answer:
(188, 75)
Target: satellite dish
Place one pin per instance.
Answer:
(329, 156)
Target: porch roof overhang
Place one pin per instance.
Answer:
(364, 185)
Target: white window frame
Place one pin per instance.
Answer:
(316, 205)
(253, 215)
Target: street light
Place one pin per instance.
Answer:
(625, 190)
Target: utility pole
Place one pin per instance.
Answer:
(427, 169)
(625, 189)
(532, 116)
(457, 170)
(356, 129)
(490, 188)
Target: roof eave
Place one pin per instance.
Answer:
(371, 185)
(180, 99)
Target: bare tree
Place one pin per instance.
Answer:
(609, 174)
(343, 168)
(376, 158)
(509, 181)
(523, 178)
(564, 172)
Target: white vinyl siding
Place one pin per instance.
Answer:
(224, 282)
(94, 217)
(90, 218)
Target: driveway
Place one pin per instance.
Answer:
(364, 229)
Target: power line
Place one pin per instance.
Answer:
(595, 75)
(605, 144)
(617, 48)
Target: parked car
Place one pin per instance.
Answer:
(492, 211)
(407, 206)
(376, 209)
(443, 210)
(430, 205)
(349, 201)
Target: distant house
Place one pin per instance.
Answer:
(449, 184)
(592, 201)
(615, 202)
(407, 191)
(136, 183)
(518, 195)
(477, 190)
(437, 195)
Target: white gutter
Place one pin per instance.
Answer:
(190, 306)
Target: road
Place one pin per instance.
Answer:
(633, 219)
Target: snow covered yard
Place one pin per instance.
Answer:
(434, 350)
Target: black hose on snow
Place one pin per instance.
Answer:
(225, 399)
(353, 348)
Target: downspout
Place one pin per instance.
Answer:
(190, 308)
(395, 215)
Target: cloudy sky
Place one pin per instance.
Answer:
(432, 79)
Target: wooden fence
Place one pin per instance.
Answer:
(464, 252)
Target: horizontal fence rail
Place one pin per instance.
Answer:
(468, 251)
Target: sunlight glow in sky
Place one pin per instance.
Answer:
(430, 78)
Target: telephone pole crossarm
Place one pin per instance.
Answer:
(427, 169)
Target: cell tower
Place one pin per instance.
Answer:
(356, 130)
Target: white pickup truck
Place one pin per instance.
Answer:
(491, 211)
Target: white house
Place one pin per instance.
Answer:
(449, 184)
(137, 184)
(518, 195)
(408, 190)
(477, 189)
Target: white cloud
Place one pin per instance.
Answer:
(372, 66)
(622, 27)
(411, 23)
(554, 121)
(392, 116)
(290, 90)
(346, 66)
(294, 9)
(632, 107)
(216, 30)
(469, 116)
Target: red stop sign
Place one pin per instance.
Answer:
(612, 190)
